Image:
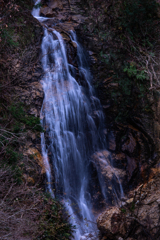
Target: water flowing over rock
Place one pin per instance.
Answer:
(73, 132)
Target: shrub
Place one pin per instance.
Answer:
(137, 17)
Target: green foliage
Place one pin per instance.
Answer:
(38, 5)
(105, 57)
(132, 71)
(132, 207)
(17, 174)
(123, 210)
(53, 223)
(137, 17)
(12, 156)
(30, 121)
(7, 36)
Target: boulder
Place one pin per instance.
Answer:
(131, 166)
(111, 141)
(111, 224)
(129, 146)
(102, 161)
(137, 216)
(55, 4)
(47, 12)
(78, 18)
(33, 152)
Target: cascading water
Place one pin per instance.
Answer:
(71, 135)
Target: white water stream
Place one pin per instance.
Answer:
(71, 135)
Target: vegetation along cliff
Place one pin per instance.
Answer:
(121, 48)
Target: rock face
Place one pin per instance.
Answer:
(133, 138)
(111, 223)
(103, 160)
(55, 4)
(137, 216)
(47, 12)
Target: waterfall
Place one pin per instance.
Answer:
(71, 135)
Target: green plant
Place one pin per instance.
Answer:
(54, 225)
(137, 17)
(17, 111)
(132, 71)
(38, 5)
(17, 174)
(7, 36)
(132, 207)
(123, 210)
(105, 57)
(12, 156)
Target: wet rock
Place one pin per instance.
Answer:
(119, 160)
(65, 36)
(110, 223)
(130, 145)
(47, 12)
(55, 4)
(139, 214)
(68, 26)
(93, 59)
(74, 44)
(131, 166)
(103, 161)
(111, 141)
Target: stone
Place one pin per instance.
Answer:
(37, 157)
(111, 141)
(30, 181)
(65, 36)
(91, 53)
(119, 160)
(47, 12)
(78, 18)
(55, 4)
(94, 59)
(33, 111)
(110, 223)
(130, 145)
(91, 27)
(102, 161)
(74, 44)
(113, 85)
(129, 201)
(67, 26)
(131, 166)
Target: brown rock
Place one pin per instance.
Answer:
(78, 18)
(55, 4)
(30, 181)
(38, 157)
(47, 12)
(74, 44)
(130, 144)
(102, 161)
(110, 223)
(65, 36)
(111, 141)
(131, 166)
(113, 85)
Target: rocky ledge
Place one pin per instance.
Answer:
(138, 216)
